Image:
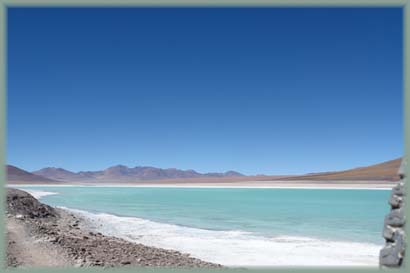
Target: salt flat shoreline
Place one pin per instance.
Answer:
(342, 185)
(273, 247)
(42, 236)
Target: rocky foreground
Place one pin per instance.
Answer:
(392, 255)
(39, 235)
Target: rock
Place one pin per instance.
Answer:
(392, 255)
(396, 245)
(388, 233)
(22, 203)
(395, 201)
(399, 241)
(398, 189)
(395, 218)
(389, 256)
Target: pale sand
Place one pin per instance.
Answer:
(376, 185)
(26, 250)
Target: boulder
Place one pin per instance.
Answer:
(23, 204)
(395, 218)
(389, 256)
(395, 201)
(398, 189)
(388, 233)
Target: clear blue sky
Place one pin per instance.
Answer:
(274, 91)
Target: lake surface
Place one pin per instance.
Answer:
(237, 226)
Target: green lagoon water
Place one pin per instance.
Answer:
(237, 226)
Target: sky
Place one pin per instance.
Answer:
(259, 91)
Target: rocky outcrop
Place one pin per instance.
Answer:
(392, 255)
(22, 204)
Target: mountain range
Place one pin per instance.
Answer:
(124, 174)
(386, 171)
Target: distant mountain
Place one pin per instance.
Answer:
(386, 171)
(61, 174)
(225, 174)
(124, 173)
(15, 174)
(383, 171)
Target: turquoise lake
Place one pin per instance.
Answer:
(178, 218)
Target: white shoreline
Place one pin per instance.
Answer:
(204, 186)
(274, 246)
(207, 241)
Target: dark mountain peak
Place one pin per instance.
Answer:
(119, 166)
(232, 173)
(15, 170)
(53, 169)
(117, 170)
(54, 173)
(15, 174)
(225, 174)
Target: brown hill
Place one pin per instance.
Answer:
(15, 174)
(386, 171)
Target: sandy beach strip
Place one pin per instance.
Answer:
(365, 185)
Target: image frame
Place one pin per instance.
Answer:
(5, 4)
